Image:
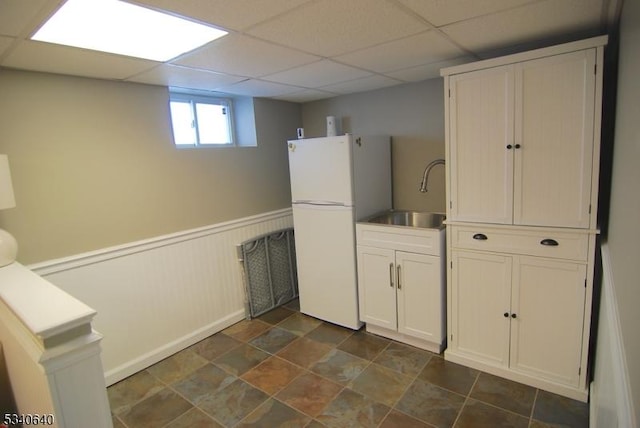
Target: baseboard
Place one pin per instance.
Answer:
(575, 393)
(131, 367)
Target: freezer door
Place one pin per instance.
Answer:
(326, 260)
(321, 170)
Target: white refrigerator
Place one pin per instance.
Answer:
(335, 181)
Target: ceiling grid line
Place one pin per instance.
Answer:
(305, 50)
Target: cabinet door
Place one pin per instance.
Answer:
(377, 286)
(554, 117)
(480, 129)
(546, 334)
(480, 298)
(420, 296)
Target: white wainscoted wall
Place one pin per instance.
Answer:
(158, 296)
(611, 405)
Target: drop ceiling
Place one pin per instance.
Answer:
(305, 50)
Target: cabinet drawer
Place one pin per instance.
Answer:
(562, 245)
(413, 240)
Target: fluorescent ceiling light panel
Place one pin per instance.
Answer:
(122, 28)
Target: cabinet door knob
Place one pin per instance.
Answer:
(480, 237)
(517, 146)
(506, 314)
(509, 146)
(514, 316)
(549, 242)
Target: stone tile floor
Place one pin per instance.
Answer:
(285, 369)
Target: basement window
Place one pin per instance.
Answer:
(201, 121)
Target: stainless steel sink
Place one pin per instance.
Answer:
(423, 220)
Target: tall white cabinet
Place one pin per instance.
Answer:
(522, 149)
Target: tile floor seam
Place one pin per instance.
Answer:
(500, 408)
(413, 379)
(298, 410)
(394, 409)
(217, 356)
(135, 403)
(466, 400)
(288, 383)
(315, 418)
(222, 423)
(384, 417)
(443, 388)
(273, 397)
(168, 424)
(375, 399)
(194, 405)
(533, 407)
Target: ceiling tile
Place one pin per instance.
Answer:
(428, 71)
(441, 12)
(259, 88)
(5, 42)
(359, 85)
(234, 15)
(317, 74)
(534, 22)
(306, 96)
(411, 51)
(60, 59)
(16, 16)
(334, 27)
(244, 56)
(183, 77)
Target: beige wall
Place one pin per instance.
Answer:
(93, 165)
(413, 115)
(624, 229)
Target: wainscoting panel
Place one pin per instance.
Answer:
(610, 404)
(158, 296)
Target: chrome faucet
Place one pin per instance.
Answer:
(425, 174)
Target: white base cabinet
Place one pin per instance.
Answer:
(522, 155)
(401, 284)
(519, 313)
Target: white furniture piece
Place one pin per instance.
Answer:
(401, 283)
(334, 182)
(522, 150)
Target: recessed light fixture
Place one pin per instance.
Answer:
(123, 28)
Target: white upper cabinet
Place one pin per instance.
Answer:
(481, 118)
(521, 142)
(554, 140)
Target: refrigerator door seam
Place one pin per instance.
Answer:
(322, 203)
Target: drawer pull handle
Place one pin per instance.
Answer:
(549, 242)
(480, 237)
